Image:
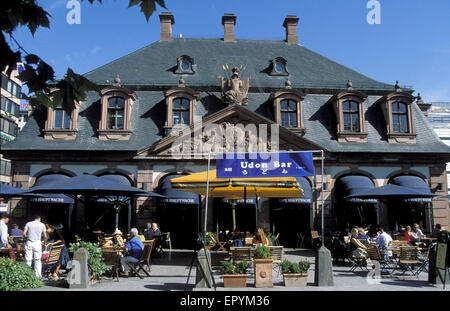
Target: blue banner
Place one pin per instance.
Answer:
(275, 164)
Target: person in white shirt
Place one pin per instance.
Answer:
(383, 240)
(4, 231)
(417, 232)
(33, 247)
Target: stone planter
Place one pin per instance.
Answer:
(234, 280)
(295, 279)
(263, 273)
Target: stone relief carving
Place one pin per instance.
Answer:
(234, 90)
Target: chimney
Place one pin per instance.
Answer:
(290, 23)
(167, 21)
(228, 21)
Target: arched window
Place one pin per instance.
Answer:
(180, 111)
(399, 117)
(288, 110)
(116, 108)
(350, 110)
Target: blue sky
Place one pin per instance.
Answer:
(412, 43)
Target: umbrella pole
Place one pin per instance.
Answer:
(233, 213)
(207, 197)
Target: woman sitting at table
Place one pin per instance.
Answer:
(358, 249)
(410, 236)
(257, 239)
(56, 239)
(116, 241)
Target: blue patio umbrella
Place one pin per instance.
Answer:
(92, 185)
(10, 192)
(390, 191)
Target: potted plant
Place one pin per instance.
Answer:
(234, 275)
(295, 274)
(210, 240)
(263, 267)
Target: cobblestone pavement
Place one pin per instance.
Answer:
(169, 272)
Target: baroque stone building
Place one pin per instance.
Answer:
(372, 134)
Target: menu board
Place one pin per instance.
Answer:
(441, 256)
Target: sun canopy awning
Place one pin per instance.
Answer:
(416, 183)
(51, 198)
(307, 193)
(175, 196)
(234, 188)
(348, 187)
(391, 191)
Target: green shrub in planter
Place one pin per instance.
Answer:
(230, 268)
(304, 266)
(262, 252)
(16, 276)
(96, 266)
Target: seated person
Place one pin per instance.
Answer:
(257, 239)
(383, 241)
(436, 231)
(57, 239)
(152, 231)
(362, 235)
(358, 249)
(236, 237)
(410, 236)
(116, 241)
(416, 230)
(15, 231)
(134, 248)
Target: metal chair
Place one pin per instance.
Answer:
(409, 259)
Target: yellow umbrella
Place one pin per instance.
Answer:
(234, 188)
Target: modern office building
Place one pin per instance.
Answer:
(229, 94)
(439, 117)
(9, 117)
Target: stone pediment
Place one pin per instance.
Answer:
(232, 129)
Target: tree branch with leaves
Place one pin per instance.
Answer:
(43, 89)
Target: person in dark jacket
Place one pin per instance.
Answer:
(152, 231)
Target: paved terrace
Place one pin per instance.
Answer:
(170, 271)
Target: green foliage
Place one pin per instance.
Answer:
(262, 252)
(304, 266)
(210, 238)
(241, 268)
(37, 74)
(16, 276)
(230, 268)
(291, 267)
(270, 237)
(95, 263)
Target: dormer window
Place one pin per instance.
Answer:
(59, 125)
(397, 111)
(399, 117)
(288, 109)
(116, 106)
(279, 67)
(289, 113)
(181, 102)
(185, 65)
(349, 109)
(61, 119)
(181, 111)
